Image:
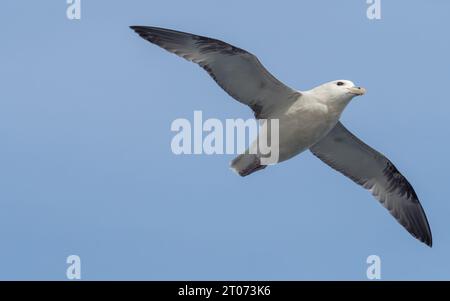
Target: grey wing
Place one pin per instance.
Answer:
(344, 152)
(237, 71)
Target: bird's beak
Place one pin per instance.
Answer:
(357, 90)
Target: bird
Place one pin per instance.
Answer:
(307, 119)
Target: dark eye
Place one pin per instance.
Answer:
(340, 83)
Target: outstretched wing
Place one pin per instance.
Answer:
(344, 152)
(237, 71)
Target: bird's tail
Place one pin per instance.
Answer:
(246, 164)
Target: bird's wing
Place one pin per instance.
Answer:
(344, 152)
(237, 71)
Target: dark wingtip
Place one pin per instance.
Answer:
(135, 27)
(425, 237)
(138, 29)
(142, 31)
(428, 239)
(429, 242)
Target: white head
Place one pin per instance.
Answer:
(338, 92)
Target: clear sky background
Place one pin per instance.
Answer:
(86, 166)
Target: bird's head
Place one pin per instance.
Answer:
(338, 92)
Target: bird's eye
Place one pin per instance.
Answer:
(340, 83)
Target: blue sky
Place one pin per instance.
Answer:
(86, 166)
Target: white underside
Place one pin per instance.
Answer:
(305, 123)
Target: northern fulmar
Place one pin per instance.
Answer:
(307, 120)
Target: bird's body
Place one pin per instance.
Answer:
(301, 125)
(306, 119)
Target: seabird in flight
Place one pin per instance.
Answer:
(307, 120)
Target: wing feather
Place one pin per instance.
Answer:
(344, 152)
(235, 70)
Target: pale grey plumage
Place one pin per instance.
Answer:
(344, 152)
(311, 117)
(237, 71)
